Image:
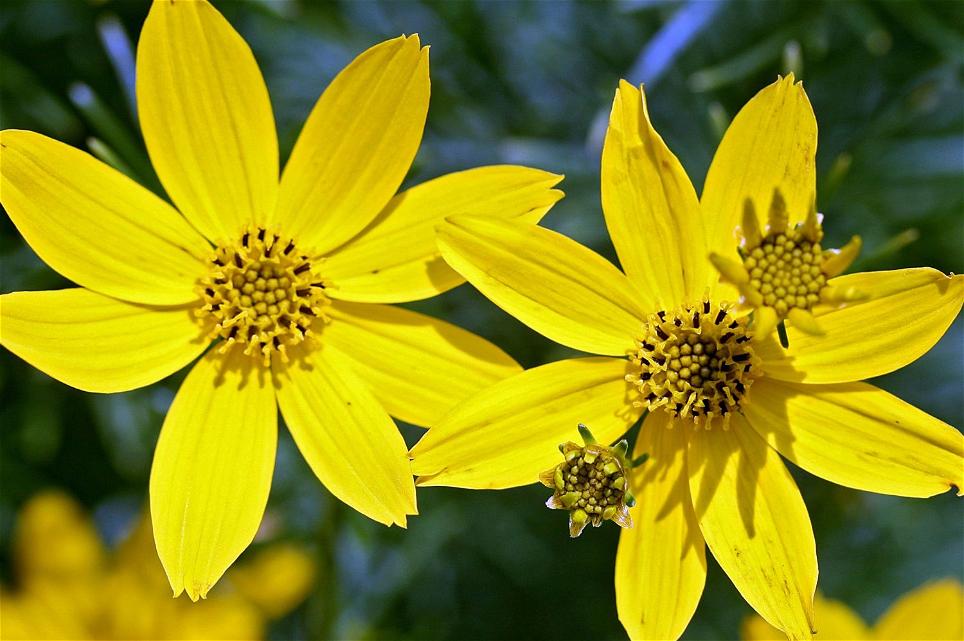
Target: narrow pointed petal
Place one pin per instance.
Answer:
(805, 322)
(771, 144)
(661, 560)
(765, 320)
(508, 434)
(907, 313)
(750, 225)
(755, 523)
(348, 439)
(212, 469)
(933, 611)
(395, 259)
(730, 269)
(96, 343)
(95, 225)
(356, 146)
(843, 258)
(835, 620)
(417, 366)
(206, 118)
(551, 283)
(651, 208)
(859, 436)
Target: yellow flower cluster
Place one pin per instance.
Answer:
(291, 283)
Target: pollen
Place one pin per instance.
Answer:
(590, 483)
(696, 362)
(262, 294)
(784, 271)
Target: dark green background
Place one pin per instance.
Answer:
(528, 83)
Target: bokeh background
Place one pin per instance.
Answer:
(529, 83)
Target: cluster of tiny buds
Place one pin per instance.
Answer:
(695, 362)
(263, 294)
(590, 483)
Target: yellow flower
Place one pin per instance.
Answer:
(672, 346)
(70, 587)
(783, 273)
(289, 277)
(932, 612)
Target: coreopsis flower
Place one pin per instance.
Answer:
(285, 280)
(783, 273)
(69, 585)
(721, 403)
(932, 612)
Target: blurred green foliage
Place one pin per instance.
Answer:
(531, 83)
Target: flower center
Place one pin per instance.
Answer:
(785, 268)
(262, 293)
(695, 362)
(591, 483)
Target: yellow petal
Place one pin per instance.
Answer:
(55, 540)
(206, 118)
(764, 322)
(277, 578)
(396, 259)
(933, 611)
(771, 144)
(356, 146)
(551, 283)
(835, 622)
(661, 560)
(908, 312)
(755, 523)
(507, 434)
(347, 437)
(651, 208)
(96, 343)
(417, 366)
(96, 226)
(859, 436)
(212, 469)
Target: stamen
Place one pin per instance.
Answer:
(263, 300)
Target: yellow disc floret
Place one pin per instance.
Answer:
(263, 294)
(695, 362)
(784, 272)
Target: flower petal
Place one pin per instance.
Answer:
(95, 225)
(507, 434)
(835, 620)
(551, 283)
(417, 366)
(909, 311)
(857, 435)
(348, 439)
(771, 144)
(932, 611)
(96, 343)
(396, 259)
(356, 146)
(755, 523)
(651, 209)
(661, 560)
(206, 118)
(212, 469)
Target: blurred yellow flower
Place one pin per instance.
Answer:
(269, 270)
(69, 586)
(673, 349)
(932, 612)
